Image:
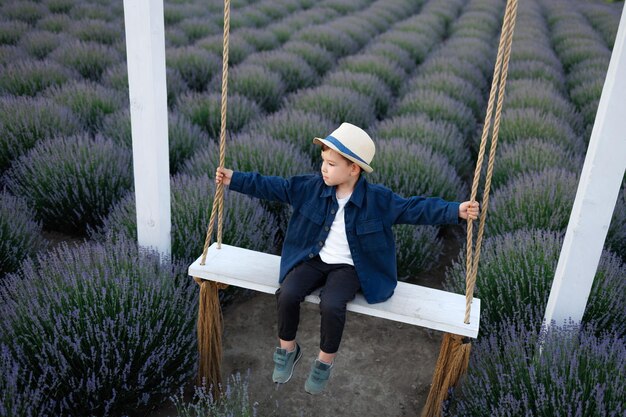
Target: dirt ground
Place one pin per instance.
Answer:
(383, 368)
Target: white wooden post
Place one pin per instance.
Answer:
(599, 187)
(145, 49)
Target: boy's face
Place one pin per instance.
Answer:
(336, 169)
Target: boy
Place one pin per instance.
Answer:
(339, 237)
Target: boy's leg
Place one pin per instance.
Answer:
(341, 286)
(300, 282)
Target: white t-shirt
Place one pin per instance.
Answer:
(336, 249)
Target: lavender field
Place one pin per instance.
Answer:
(92, 326)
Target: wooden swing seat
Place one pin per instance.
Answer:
(412, 304)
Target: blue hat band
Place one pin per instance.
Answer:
(342, 148)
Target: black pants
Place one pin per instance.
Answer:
(340, 284)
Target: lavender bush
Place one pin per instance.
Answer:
(263, 86)
(333, 40)
(318, 57)
(541, 200)
(294, 71)
(204, 111)
(369, 85)
(233, 402)
(71, 181)
(414, 169)
(25, 121)
(11, 31)
(197, 66)
(251, 153)
(456, 66)
(296, 127)
(90, 102)
(533, 123)
(454, 86)
(443, 137)
(198, 27)
(544, 97)
(11, 53)
(573, 375)
(99, 31)
(89, 59)
(418, 249)
(55, 22)
(520, 69)
(112, 329)
(390, 73)
(437, 106)
(25, 11)
(515, 276)
(388, 51)
(30, 77)
(415, 44)
(260, 39)
(532, 155)
(20, 394)
(59, 6)
(238, 47)
(285, 28)
(337, 104)
(246, 223)
(20, 233)
(39, 44)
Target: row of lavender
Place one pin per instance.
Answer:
(543, 141)
(441, 99)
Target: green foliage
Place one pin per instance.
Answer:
(418, 249)
(541, 200)
(296, 127)
(246, 222)
(28, 78)
(437, 106)
(20, 233)
(316, 56)
(233, 401)
(515, 273)
(442, 137)
(90, 102)
(24, 121)
(204, 111)
(369, 85)
(89, 59)
(71, 182)
(531, 155)
(195, 65)
(257, 83)
(337, 104)
(414, 169)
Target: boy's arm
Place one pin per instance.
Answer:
(423, 210)
(254, 184)
(432, 211)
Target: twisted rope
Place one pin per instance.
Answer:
(218, 199)
(498, 85)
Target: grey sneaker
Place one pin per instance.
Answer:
(318, 378)
(284, 362)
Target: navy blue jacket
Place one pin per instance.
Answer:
(369, 215)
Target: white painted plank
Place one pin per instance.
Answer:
(412, 304)
(145, 50)
(597, 193)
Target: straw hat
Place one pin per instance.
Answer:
(353, 143)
